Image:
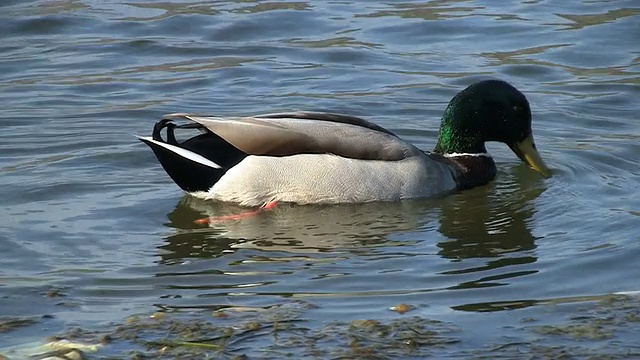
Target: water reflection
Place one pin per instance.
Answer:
(290, 228)
(482, 237)
(486, 222)
(491, 220)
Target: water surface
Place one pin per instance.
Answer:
(87, 210)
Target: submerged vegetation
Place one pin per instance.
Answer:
(603, 329)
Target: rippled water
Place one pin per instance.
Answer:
(87, 210)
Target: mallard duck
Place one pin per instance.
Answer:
(313, 157)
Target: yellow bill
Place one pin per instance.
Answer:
(526, 151)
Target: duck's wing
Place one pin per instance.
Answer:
(286, 134)
(325, 116)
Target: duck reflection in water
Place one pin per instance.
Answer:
(292, 228)
(490, 229)
(486, 222)
(490, 220)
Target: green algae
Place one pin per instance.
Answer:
(602, 328)
(11, 323)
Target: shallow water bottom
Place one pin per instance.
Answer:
(594, 327)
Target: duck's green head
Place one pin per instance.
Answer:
(490, 110)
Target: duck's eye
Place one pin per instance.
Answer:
(517, 108)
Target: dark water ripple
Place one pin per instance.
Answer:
(87, 209)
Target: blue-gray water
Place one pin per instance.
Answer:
(86, 209)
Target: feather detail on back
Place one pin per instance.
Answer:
(324, 116)
(282, 136)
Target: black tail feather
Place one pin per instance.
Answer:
(157, 129)
(188, 174)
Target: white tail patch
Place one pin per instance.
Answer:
(466, 154)
(183, 152)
